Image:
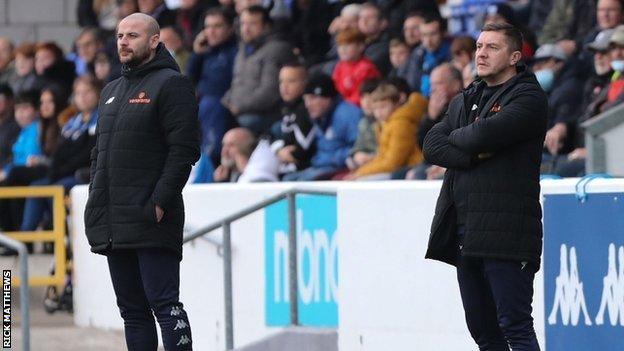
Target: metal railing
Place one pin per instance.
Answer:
(23, 264)
(226, 222)
(56, 235)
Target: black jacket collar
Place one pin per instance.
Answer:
(162, 59)
(523, 74)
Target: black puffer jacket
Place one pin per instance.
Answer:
(496, 161)
(147, 141)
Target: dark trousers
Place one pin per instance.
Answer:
(146, 283)
(497, 296)
(11, 210)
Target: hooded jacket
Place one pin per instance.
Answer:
(495, 162)
(397, 139)
(335, 135)
(147, 141)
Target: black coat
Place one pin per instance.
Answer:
(298, 130)
(496, 161)
(147, 141)
(564, 102)
(72, 153)
(9, 131)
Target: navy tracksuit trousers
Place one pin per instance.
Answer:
(497, 296)
(146, 283)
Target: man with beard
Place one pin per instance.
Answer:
(147, 141)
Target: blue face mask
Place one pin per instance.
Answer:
(546, 78)
(618, 65)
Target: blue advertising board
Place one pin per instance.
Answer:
(584, 272)
(317, 262)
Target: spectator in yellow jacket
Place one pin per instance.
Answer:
(396, 132)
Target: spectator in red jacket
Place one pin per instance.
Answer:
(353, 67)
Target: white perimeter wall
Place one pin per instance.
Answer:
(390, 297)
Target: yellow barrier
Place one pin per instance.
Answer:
(57, 234)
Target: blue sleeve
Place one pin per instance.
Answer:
(193, 69)
(27, 144)
(322, 159)
(349, 133)
(33, 146)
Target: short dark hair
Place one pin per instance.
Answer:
(91, 81)
(259, 10)
(176, 29)
(454, 73)
(30, 97)
(95, 32)
(6, 91)
(415, 13)
(434, 17)
(398, 41)
(400, 83)
(225, 13)
(513, 34)
(369, 85)
(374, 6)
(294, 64)
(463, 43)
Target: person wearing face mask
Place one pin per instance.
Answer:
(603, 91)
(615, 93)
(602, 72)
(594, 98)
(595, 92)
(556, 74)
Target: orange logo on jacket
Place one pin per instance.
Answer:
(495, 108)
(140, 99)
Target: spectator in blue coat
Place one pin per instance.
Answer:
(434, 50)
(210, 68)
(27, 143)
(336, 132)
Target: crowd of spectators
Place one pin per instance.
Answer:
(306, 89)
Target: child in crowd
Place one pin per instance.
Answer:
(27, 144)
(26, 148)
(396, 129)
(353, 67)
(24, 68)
(399, 56)
(365, 145)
